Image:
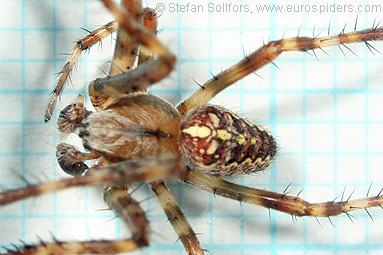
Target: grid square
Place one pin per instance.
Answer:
(320, 107)
(320, 138)
(102, 228)
(201, 42)
(263, 18)
(290, 138)
(256, 231)
(289, 107)
(37, 43)
(295, 18)
(290, 169)
(14, 39)
(286, 81)
(320, 169)
(375, 140)
(11, 164)
(36, 78)
(36, 137)
(345, 80)
(41, 21)
(257, 107)
(375, 104)
(65, 229)
(200, 13)
(226, 225)
(375, 75)
(229, 45)
(77, 13)
(351, 107)
(375, 163)
(323, 82)
(77, 197)
(9, 80)
(8, 105)
(200, 206)
(349, 235)
(231, 19)
(289, 232)
(34, 109)
(10, 137)
(14, 232)
(323, 234)
(351, 138)
(351, 168)
(14, 20)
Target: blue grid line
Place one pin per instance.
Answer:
(24, 116)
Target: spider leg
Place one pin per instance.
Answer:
(177, 218)
(141, 77)
(280, 202)
(81, 45)
(129, 210)
(125, 51)
(126, 208)
(150, 22)
(266, 55)
(127, 172)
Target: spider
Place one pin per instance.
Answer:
(160, 136)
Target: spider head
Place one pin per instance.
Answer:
(71, 116)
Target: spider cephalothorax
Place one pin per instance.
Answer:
(138, 137)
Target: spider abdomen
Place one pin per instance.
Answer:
(217, 141)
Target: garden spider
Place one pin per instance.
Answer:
(219, 253)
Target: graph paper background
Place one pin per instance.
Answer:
(325, 115)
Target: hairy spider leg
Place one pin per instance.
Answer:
(125, 207)
(280, 202)
(126, 172)
(150, 22)
(177, 218)
(266, 55)
(126, 48)
(81, 45)
(141, 77)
